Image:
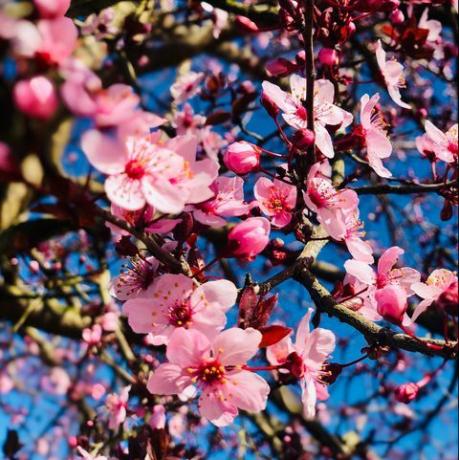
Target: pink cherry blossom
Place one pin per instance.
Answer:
(248, 238)
(175, 301)
(116, 405)
(136, 280)
(386, 275)
(438, 284)
(227, 202)
(392, 303)
(325, 112)
(36, 97)
(166, 176)
(432, 25)
(217, 367)
(186, 86)
(313, 348)
(56, 382)
(158, 417)
(242, 157)
(359, 249)
(276, 199)
(392, 71)
(92, 335)
(52, 8)
(375, 137)
(443, 145)
(330, 204)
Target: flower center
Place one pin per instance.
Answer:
(134, 169)
(301, 113)
(211, 372)
(180, 315)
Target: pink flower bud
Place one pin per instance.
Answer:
(250, 237)
(242, 157)
(397, 17)
(36, 97)
(303, 139)
(246, 25)
(328, 57)
(392, 304)
(406, 392)
(280, 67)
(52, 8)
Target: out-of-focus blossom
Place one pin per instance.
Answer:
(158, 417)
(443, 145)
(311, 350)
(116, 405)
(57, 381)
(36, 97)
(392, 71)
(247, 239)
(100, 25)
(276, 199)
(52, 8)
(217, 368)
(186, 86)
(176, 302)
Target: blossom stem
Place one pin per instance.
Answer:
(365, 356)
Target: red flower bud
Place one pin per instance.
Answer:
(406, 392)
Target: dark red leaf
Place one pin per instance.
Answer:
(273, 334)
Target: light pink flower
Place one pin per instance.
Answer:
(227, 202)
(92, 335)
(136, 280)
(443, 145)
(158, 417)
(116, 405)
(36, 97)
(325, 112)
(52, 8)
(217, 368)
(276, 199)
(392, 71)
(140, 172)
(313, 348)
(359, 249)
(386, 275)
(6, 382)
(331, 205)
(242, 157)
(432, 25)
(57, 381)
(101, 25)
(373, 132)
(176, 302)
(186, 86)
(439, 283)
(248, 238)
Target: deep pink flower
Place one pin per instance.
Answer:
(406, 392)
(439, 283)
(314, 348)
(391, 303)
(175, 301)
(116, 405)
(325, 112)
(386, 275)
(186, 86)
(392, 71)
(52, 8)
(36, 97)
(443, 145)
(242, 157)
(373, 132)
(248, 238)
(331, 205)
(227, 202)
(276, 199)
(217, 368)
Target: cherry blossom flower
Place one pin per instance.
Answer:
(432, 25)
(227, 202)
(52, 8)
(36, 97)
(359, 249)
(276, 199)
(443, 145)
(92, 335)
(440, 283)
(325, 112)
(247, 239)
(392, 71)
(136, 280)
(175, 301)
(373, 132)
(330, 205)
(116, 406)
(218, 368)
(165, 176)
(186, 86)
(370, 281)
(158, 417)
(100, 25)
(391, 303)
(313, 348)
